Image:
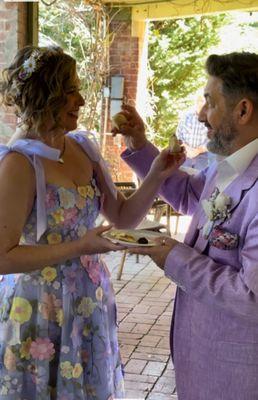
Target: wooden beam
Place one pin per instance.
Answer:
(185, 8)
(32, 23)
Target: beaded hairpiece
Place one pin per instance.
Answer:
(30, 65)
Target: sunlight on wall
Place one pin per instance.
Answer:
(236, 37)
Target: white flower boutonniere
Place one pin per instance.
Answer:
(216, 207)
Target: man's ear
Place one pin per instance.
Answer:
(244, 111)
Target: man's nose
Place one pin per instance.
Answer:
(202, 114)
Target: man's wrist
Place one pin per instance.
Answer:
(135, 144)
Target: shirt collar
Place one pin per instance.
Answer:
(235, 164)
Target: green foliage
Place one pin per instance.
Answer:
(79, 29)
(177, 52)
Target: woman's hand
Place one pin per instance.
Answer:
(159, 252)
(93, 242)
(166, 163)
(134, 130)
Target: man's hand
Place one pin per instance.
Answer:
(192, 152)
(166, 163)
(157, 253)
(134, 130)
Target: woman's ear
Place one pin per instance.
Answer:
(244, 111)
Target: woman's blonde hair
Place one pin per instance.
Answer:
(40, 95)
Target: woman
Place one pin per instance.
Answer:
(57, 315)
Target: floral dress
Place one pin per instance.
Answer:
(58, 335)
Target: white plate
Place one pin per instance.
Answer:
(136, 233)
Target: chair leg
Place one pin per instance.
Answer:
(137, 258)
(121, 266)
(168, 219)
(177, 221)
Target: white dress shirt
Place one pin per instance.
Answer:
(235, 164)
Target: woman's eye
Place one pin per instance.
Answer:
(73, 90)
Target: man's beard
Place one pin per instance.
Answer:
(223, 139)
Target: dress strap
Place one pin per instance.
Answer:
(90, 146)
(33, 150)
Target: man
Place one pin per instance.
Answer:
(193, 135)
(214, 335)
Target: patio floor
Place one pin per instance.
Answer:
(145, 299)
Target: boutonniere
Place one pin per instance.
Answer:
(216, 207)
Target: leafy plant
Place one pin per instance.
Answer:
(177, 52)
(80, 29)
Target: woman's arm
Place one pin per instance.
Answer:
(125, 213)
(17, 182)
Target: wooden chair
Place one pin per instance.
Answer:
(158, 207)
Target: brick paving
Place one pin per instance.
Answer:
(145, 300)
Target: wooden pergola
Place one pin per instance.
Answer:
(127, 52)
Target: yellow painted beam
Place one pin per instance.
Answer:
(188, 8)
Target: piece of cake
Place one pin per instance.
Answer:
(174, 145)
(123, 236)
(118, 120)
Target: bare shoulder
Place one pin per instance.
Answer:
(16, 168)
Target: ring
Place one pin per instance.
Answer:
(163, 243)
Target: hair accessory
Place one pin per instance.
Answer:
(29, 66)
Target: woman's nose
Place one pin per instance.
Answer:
(81, 100)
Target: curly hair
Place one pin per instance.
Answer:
(238, 73)
(41, 96)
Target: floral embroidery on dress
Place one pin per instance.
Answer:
(58, 323)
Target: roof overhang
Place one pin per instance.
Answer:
(143, 10)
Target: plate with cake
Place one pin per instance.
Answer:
(133, 237)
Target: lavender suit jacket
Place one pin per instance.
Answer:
(214, 335)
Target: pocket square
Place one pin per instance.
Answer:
(222, 239)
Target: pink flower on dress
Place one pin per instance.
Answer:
(85, 356)
(51, 197)
(49, 306)
(72, 279)
(93, 269)
(70, 216)
(42, 349)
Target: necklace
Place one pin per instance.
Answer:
(61, 160)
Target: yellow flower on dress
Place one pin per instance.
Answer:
(66, 198)
(21, 310)
(86, 191)
(86, 331)
(9, 360)
(77, 370)
(80, 202)
(49, 274)
(86, 307)
(99, 293)
(25, 348)
(60, 317)
(58, 215)
(66, 369)
(54, 238)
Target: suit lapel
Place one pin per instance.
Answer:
(234, 190)
(242, 183)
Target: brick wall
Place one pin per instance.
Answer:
(12, 35)
(124, 60)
